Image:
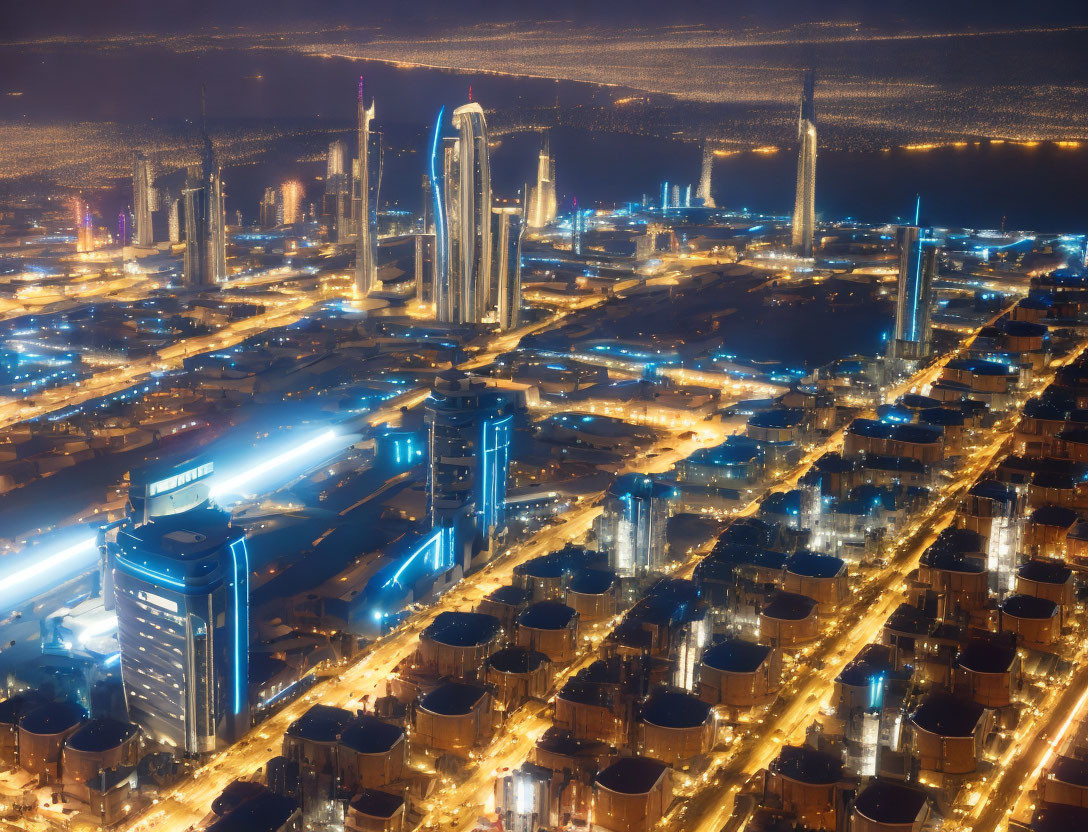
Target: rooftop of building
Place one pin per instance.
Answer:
(513, 596)
(101, 734)
(780, 418)
(632, 775)
(52, 718)
(370, 735)
(377, 804)
(978, 367)
(565, 744)
(807, 765)
(266, 812)
(547, 615)
(321, 723)
(1054, 516)
(987, 656)
(640, 487)
(1028, 606)
(891, 803)
(815, 565)
(916, 401)
(463, 629)
(1045, 571)
(516, 660)
(453, 699)
(1058, 817)
(916, 434)
(736, 656)
(1071, 770)
(789, 606)
(947, 716)
(672, 708)
(592, 581)
(993, 490)
(586, 693)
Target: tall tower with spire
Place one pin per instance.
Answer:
(804, 206)
(205, 256)
(542, 202)
(703, 191)
(142, 199)
(366, 238)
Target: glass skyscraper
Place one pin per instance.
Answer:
(917, 270)
(181, 584)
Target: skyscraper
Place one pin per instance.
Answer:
(335, 205)
(507, 264)
(632, 526)
(804, 206)
(705, 173)
(366, 239)
(465, 218)
(577, 227)
(269, 216)
(542, 205)
(143, 199)
(291, 201)
(205, 256)
(917, 270)
(181, 582)
(470, 430)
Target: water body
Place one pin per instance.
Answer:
(296, 103)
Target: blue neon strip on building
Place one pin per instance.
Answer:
(241, 624)
(495, 453)
(439, 215)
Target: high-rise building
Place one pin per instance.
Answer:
(335, 204)
(181, 584)
(542, 204)
(470, 430)
(804, 206)
(205, 231)
(506, 261)
(291, 202)
(269, 214)
(577, 227)
(173, 220)
(463, 289)
(705, 174)
(917, 270)
(631, 528)
(143, 199)
(366, 217)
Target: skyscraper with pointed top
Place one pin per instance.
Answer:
(705, 173)
(366, 233)
(463, 220)
(542, 205)
(142, 199)
(205, 256)
(804, 206)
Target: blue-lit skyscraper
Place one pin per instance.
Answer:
(917, 269)
(181, 583)
(577, 227)
(470, 430)
(804, 206)
(463, 220)
(506, 262)
(631, 528)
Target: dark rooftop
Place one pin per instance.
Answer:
(947, 715)
(987, 656)
(452, 699)
(671, 708)
(516, 660)
(266, 812)
(632, 775)
(592, 581)
(1058, 817)
(586, 693)
(779, 417)
(52, 718)
(547, 615)
(512, 595)
(369, 735)
(377, 804)
(1028, 606)
(890, 803)
(1054, 516)
(101, 734)
(807, 765)
(789, 606)
(736, 656)
(815, 565)
(1045, 571)
(321, 723)
(566, 744)
(463, 629)
(1071, 770)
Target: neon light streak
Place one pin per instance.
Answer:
(241, 623)
(916, 299)
(439, 215)
(240, 481)
(151, 575)
(51, 564)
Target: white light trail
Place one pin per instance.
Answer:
(50, 566)
(237, 483)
